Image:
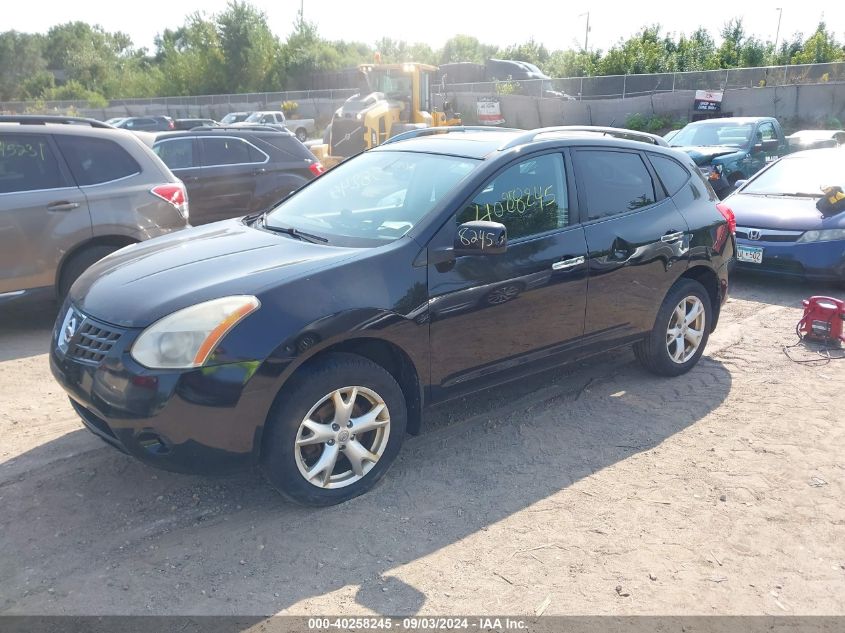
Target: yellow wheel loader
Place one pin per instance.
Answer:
(391, 99)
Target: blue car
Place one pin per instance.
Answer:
(780, 228)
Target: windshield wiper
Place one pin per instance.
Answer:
(800, 194)
(289, 230)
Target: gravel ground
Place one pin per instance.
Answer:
(597, 489)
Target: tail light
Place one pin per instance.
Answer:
(728, 214)
(173, 193)
(316, 168)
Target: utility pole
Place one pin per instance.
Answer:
(777, 32)
(586, 31)
(301, 12)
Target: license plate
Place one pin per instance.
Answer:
(752, 254)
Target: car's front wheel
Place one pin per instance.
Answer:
(336, 428)
(680, 331)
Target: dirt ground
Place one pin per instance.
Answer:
(597, 489)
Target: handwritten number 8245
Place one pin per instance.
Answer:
(469, 237)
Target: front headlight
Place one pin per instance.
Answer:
(186, 338)
(826, 235)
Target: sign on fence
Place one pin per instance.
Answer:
(708, 101)
(489, 111)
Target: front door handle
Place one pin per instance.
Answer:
(566, 264)
(62, 206)
(669, 238)
(259, 170)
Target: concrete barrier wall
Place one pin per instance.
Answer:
(810, 103)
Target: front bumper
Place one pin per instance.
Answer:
(198, 420)
(822, 261)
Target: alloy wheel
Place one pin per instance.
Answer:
(342, 437)
(686, 329)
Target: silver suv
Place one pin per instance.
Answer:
(71, 192)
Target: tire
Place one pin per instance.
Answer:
(302, 134)
(308, 398)
(78, 264)
(656, 351)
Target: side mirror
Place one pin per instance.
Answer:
(739, 183)
(771, 145)
(480, 238)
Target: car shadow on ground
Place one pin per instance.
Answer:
(772, 290)
(25, 329)
(94, 531)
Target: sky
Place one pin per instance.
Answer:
(555, 24)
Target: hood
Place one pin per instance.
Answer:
(144, 282)
(703, 154)
(780, 213)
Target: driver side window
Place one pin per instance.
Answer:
(529, 198)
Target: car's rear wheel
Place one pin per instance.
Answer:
(336, 429)
(78, 264)
(680, 332)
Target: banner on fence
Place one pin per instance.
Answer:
(489, 111)
(708, 100)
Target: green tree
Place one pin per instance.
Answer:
(530, 52)
(248, 47)
(21, 58)
(821, 47)
(465, 48)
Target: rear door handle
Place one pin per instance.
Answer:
(62, 206)
(566, 264)
(669, 238)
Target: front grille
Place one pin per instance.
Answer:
(347, 137)
(768, 235)
(92, 342)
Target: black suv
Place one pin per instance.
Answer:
(144, 123)
(233, 171)
(311, 338)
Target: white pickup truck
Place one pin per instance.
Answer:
(276, 118)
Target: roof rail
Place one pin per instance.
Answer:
(426, 131)
(249, 127)
(38, 119)
(616, 132)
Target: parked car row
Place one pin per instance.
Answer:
(301, 128)
(74, 190)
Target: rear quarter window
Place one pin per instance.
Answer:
(614, 182)
(671, 173)
(94, 161)
(286, 144)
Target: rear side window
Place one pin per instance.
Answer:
(228, 151)
(287, 144)
(177, 153)
(529, 198)
(614, 182)
(671, 174)
(93, 161)
(27, 163)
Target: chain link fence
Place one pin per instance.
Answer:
(622, 86)
(316, 102)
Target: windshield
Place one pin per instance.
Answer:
(255, 117)
(391, 81)
(698, 134)
(233, 117)
(373, 198)
(804, 174)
